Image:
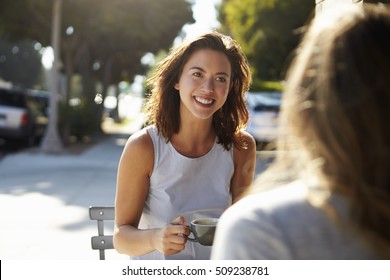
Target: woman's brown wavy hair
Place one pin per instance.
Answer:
(163, 105)
(335, 117)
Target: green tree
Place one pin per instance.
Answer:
(102, 40)
(268, 31)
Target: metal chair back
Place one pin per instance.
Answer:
(101, 242)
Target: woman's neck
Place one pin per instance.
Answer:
(194, 139)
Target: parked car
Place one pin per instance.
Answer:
(263, 110)
(23, 115)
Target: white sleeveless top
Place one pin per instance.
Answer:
(190, 187)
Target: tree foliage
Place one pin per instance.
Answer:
(101, 39)
(268, 31)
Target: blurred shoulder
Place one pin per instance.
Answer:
(289, 195)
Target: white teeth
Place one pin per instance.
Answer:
(203, 100)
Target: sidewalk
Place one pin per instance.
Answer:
(44, 201)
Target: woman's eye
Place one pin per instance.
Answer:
(197, 74)
(221, 79)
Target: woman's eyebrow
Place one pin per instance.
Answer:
(202, 70)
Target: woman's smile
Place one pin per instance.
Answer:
(204, 100)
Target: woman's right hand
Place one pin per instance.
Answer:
(172, 238)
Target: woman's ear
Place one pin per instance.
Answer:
(176, 86)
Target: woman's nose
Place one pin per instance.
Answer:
(208, 85)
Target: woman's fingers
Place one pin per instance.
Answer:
(179, 221)
(172, 238)
(177, 230)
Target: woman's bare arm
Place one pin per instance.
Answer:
(135, 168)
(244, 167)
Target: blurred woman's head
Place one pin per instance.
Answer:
(337, 98)
(336, 110)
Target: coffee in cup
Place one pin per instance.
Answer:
(203, 230)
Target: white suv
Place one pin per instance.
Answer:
(23, 115)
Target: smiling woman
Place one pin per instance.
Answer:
(194, 154)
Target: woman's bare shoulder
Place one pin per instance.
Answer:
(140, 139)
(244, 136)
(139, 147)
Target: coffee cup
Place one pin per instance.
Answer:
(203, 230)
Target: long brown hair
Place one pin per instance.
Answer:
(163, 105)
(335, 116)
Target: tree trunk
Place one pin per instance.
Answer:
(51, 142)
